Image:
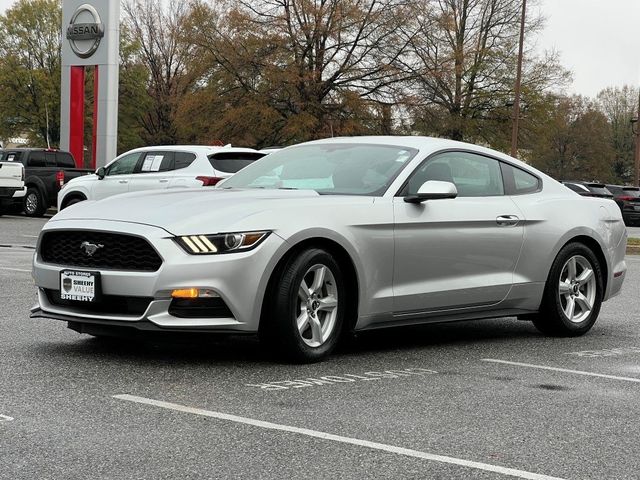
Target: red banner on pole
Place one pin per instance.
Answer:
(76, 115)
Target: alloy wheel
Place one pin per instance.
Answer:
(577, 288)
(31, 203)
(317, 305)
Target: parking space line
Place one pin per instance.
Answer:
(338, 438)
(15, 269)
(5, 418)
(563, 370)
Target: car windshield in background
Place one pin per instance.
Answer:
(340, 168)
(232, 162)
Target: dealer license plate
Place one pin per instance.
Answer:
(79, 286)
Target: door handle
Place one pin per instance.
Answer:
(164, 181)
(507, 220)
(123, 181)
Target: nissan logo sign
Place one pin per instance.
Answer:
(85, 31)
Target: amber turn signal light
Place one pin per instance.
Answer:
(186, 293)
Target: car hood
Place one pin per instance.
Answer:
(199, 210)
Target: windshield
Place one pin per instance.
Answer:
(336, 168)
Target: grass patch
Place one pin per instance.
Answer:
(633, 241)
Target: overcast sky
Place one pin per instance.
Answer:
(599, 40)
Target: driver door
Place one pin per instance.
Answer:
(457, 253)
(117, 177)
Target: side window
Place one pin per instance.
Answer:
(124, 166)
(36, 159)
(65, 160)
(183, 160)
(156, 162)
(473, 175)
(520, 182)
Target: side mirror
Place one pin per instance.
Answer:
(433, 190)
(101, 173)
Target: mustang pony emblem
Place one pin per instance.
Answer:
(90, 248)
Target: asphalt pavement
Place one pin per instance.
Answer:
(471, 400)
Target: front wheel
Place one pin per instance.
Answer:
(307, 307)
(73, 201)
(573, 293)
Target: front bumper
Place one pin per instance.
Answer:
(20, 193)
(239, 279)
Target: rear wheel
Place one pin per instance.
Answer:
(34, 203)
(307, 308)
(573, 293)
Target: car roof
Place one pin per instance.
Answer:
(206, 149)
(427, 145)
(33, 149)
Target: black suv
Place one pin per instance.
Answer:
(628, 199)
(46, 170)
(588, 189)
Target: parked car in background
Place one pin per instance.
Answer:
(588, 189)
(11, 183)
(46, 171)
(327, 237)
(158, 168)
(628, 199)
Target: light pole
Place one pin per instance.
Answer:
(636, 131)
(516, 103)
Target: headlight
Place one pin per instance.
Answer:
(221, 243)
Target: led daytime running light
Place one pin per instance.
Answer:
(220, 243)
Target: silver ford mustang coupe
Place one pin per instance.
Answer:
(335, 236)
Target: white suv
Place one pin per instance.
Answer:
(153, 168)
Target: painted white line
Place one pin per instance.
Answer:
(29, 236)
(338, 438)
(4, 418)
(607, 352)
(563, 370)
(15, 269)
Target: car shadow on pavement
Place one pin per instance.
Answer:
(232, 349)
(463, 333)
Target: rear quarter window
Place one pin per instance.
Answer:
(183, 160)
(520, 182)
(232, 162)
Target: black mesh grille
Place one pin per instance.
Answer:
(108, 304)
(199, 308)
(118, 252)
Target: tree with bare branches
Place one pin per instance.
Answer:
(168, 58)
(463, 59)
(307, 62)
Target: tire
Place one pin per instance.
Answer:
(34, 203)
(569, 284)
(309, 290)
(73, 201)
